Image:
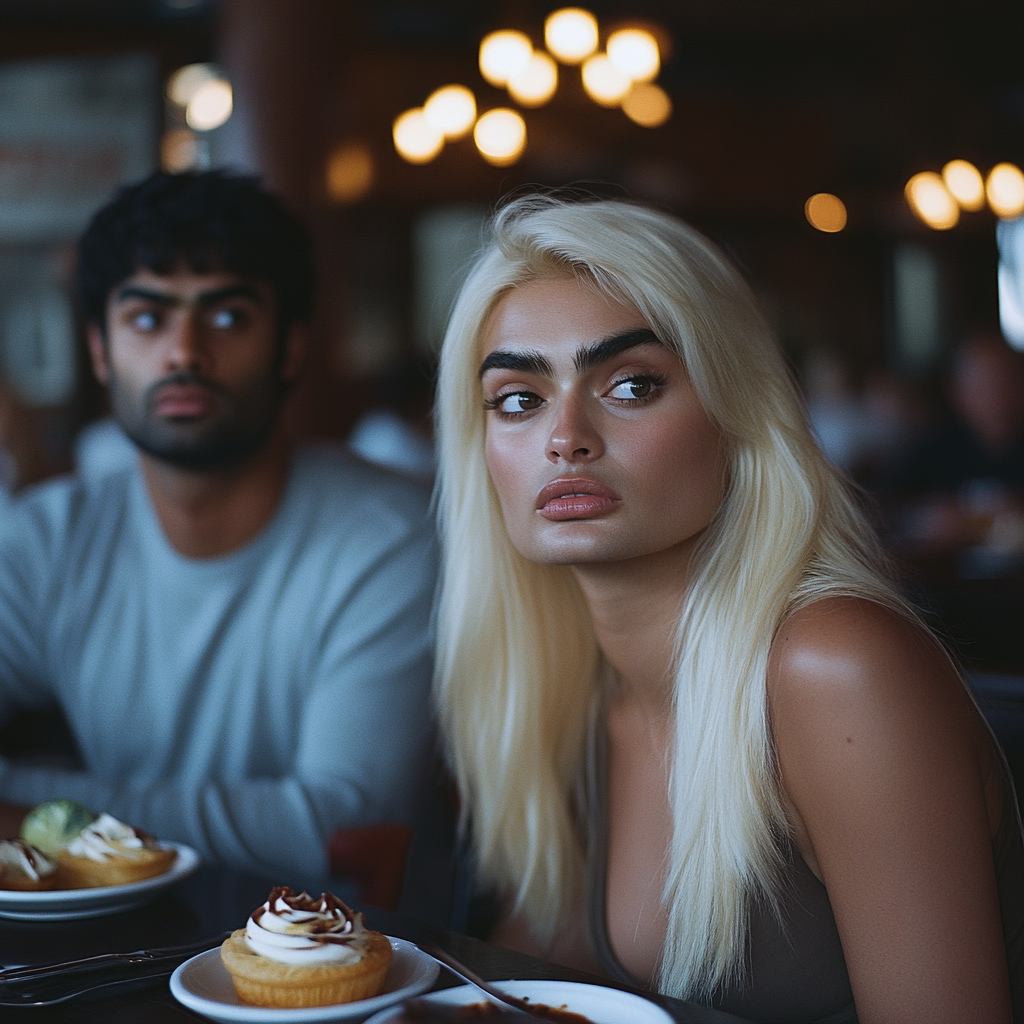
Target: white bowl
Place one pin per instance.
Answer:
(600, 1004)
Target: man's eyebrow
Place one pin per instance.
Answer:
(524, 362)
(587, 358)
(133, 291)
(210, 298)
(231, 291)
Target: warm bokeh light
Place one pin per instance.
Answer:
(604, 82)
(648, 105)
(931, 202)
(536, 83)
(635, 53)
(179, 151)
(210, 105)
(416, 139)
(451, 110)
(965, 184)
(350, 172)
(504, 54)
(500, 135)
(182, 85)
(571, 34)
(1005, 191)
(826, 212)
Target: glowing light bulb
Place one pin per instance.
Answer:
(931, 202)
(1005, 191)
(210, 105)
(451, 110)
(635, 53)
(571, 34)
(350, 172)
(182, 85)
(416, 139)
(826, 212)
(536, 83)
(965, 184)
(648, 105)
(604, 82)
(504, 54)
(500, 135)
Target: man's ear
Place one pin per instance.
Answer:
(296, 348)
(98, 353)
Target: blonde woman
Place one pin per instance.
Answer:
(703, 744)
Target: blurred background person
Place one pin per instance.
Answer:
(235, 628)
(966, 475)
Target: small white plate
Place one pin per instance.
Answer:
(69, 904)
(204, 985)
(599, 1004)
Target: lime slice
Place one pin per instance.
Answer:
(51, 826)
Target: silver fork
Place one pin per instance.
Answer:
(49, 984)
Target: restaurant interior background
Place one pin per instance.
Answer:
(789, 131)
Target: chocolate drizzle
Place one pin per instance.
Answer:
(36, 862)
(330, 921)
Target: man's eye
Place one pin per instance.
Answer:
(519, 401)
(147, 320)
(635, 387)
(223, 318)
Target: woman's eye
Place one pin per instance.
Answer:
(635, 387)
(519, 401)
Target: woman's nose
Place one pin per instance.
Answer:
(574, 437)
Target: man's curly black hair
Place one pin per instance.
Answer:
(205, 221)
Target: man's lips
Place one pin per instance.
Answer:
(577, 497)
(184, 401)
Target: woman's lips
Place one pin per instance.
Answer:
(575, 498)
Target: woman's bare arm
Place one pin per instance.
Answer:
(889, 773)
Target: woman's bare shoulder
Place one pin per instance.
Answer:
(853, 685)
(846, 650)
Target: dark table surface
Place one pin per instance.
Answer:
(216, 899)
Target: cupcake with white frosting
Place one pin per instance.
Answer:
(109, 852)
(297, 950)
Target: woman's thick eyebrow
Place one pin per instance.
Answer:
(524, 362)
(587, 358)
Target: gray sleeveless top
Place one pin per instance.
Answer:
(795, 969)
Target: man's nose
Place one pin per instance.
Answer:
(186, 349)
(574, 436)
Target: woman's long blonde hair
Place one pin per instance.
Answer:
(517, 661)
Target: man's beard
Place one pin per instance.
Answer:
(247, 419)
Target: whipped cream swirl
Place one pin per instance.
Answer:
(107, 837)
(20, 857)
(300, 930)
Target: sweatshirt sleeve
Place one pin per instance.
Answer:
(27, 530)
(363, 733)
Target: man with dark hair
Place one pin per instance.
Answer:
(235, 629)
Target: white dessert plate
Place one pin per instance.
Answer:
(204, 985)
(599, 1004)
(69, 904)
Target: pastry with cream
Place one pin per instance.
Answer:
(109, 852)
(25, 867)
(297, 950)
